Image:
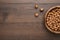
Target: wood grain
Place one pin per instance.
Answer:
(19, 23)
(29, 1)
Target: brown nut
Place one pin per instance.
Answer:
(36, 14)
(36, 6)
(41, 9)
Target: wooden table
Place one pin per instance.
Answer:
(17, 20)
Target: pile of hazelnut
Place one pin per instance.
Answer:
(53, 19)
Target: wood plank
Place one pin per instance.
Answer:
(19, 22)
(29, 1)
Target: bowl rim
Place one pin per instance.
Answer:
(45, 19)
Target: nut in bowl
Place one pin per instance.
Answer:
(52, 19)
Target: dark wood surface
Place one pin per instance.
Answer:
(17, 21)
(29, 1)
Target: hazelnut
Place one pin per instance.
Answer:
(36, 6)
(36, 14)
(41, 9)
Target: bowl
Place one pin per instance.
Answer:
(52, 19)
